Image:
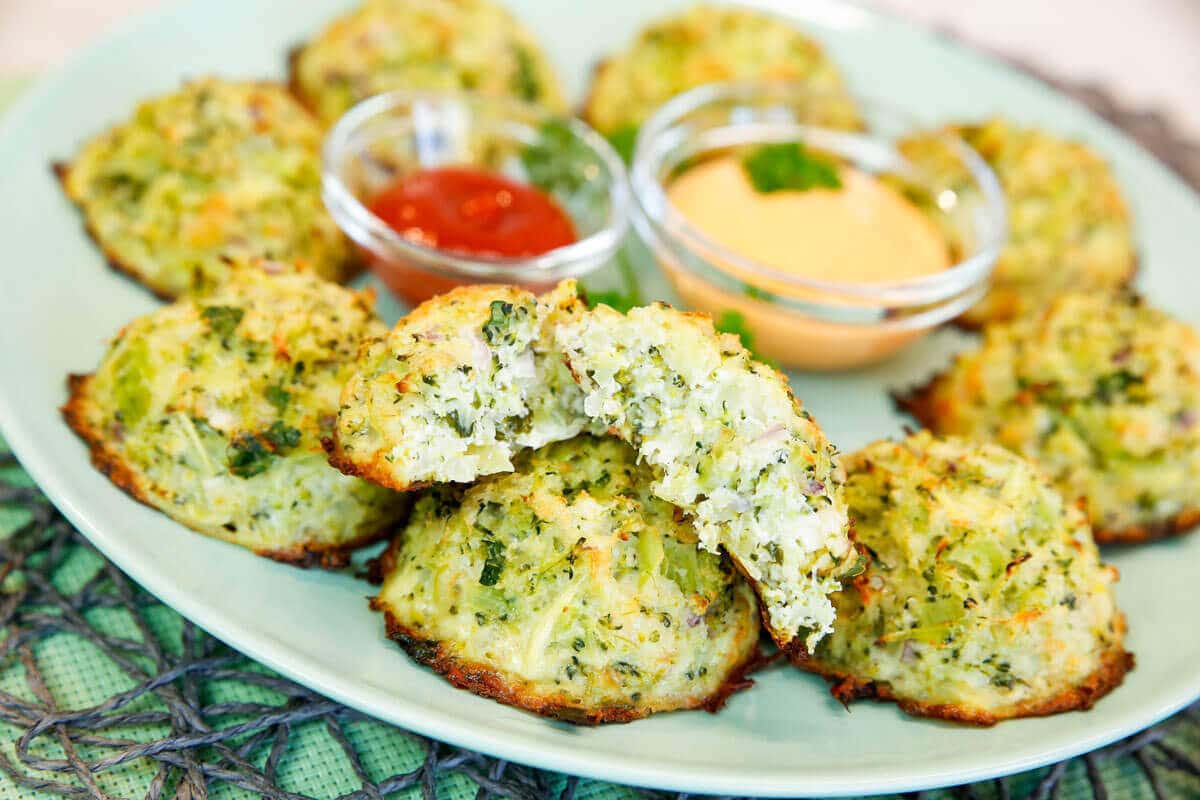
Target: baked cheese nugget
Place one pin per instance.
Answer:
(470, 378)
(470, 45)
(212, 410)
(707, 44)
(215, 173)
(1069, 226)
(984, 599)
(566, 588)
(1103, 393)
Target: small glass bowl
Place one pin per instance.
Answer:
(386, 137)
(804, 322)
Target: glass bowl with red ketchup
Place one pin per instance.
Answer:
(442, 189)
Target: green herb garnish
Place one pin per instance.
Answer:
(611, 298)
(558, 162)
(493, 564)
(754, 293)
(789, 166)
(223, 320)
(247, 456)
(623, 140)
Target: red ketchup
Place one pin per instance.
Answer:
(467, 212)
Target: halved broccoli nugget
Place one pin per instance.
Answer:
(1103, 392)
(566, 588)
(457, 388)
(212, 410)
(470, 378)
(216, 172)
(984, 598)
(729, 444)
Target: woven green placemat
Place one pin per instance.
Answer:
(107, 693)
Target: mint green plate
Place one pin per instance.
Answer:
(59, 304)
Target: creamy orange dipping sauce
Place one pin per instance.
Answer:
(865, 232)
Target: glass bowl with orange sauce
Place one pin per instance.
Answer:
(442, 189)
(836, 275)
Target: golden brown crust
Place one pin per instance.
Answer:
(487, 682)
(374, 470)
(62, 171)
(1114, 664)
(1184, 522)
(921, 405)
(379, 567)
(739, 679)
(74, 412)
(324, 556)
(293, 79)
(304, 555)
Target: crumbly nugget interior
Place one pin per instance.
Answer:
(727, 443)
(985, 591)
(1103, 392)
(570, 582)
(215, 407)
(217, 171)
(472, 377)
(473, 45)
(457, 388)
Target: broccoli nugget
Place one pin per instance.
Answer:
(567, 589)
(213, 173)
(382, 45)
(457, 388)
(1103, 392)
(1069, 226)
(729, 444)
(706, 44)
(212, 410)
(985, 598)
(471, 377)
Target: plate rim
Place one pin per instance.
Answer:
(427, 720)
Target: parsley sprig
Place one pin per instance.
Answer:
(558, 162)
(789, 166)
